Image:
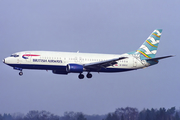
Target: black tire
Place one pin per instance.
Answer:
(89, 75)
(81, 76)
(20, 73)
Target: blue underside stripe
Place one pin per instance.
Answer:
(55, 67)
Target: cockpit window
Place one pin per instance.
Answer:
(14, 55)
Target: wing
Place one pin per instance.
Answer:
(102, 64)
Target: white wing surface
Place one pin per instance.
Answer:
(102, 64)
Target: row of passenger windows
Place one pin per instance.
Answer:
(80, 59)
(73, 59)
(86, 59)
(51, 58)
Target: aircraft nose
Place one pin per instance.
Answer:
(3, 60)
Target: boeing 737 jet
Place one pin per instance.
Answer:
(69, 62)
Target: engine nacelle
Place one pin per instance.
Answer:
(74, 68)
(60, 72)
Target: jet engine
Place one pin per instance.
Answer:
(74, 68)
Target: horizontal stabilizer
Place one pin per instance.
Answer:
(158, 58)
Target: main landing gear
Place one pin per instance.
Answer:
(81, 76)
(89, 75)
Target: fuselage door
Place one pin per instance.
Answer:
(134, 62)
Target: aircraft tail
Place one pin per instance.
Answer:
(148, 49)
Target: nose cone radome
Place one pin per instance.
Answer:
(3, 60)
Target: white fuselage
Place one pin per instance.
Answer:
(58, 60)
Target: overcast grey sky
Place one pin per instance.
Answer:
(95, 26)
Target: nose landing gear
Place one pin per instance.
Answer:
(20, 73)
(20, 69)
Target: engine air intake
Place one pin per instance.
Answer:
(74, 68)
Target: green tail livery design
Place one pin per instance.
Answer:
(148, 49)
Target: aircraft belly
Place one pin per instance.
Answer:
(39, 66)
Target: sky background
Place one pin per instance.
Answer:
(89, 26)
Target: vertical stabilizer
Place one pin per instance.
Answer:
(148, 49)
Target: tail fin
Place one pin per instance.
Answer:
(148, 49)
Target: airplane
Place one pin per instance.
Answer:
(76, 62)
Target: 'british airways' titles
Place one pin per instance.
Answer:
(45, 60)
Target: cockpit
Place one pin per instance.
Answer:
(14, 55)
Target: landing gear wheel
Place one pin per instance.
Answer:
(89, 75)
(81, 76)
(20, 73)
